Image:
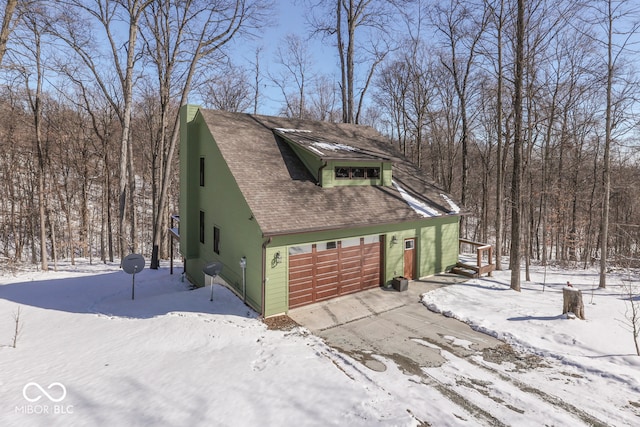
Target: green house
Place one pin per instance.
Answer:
(313, 210)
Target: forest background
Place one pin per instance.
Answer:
(527, 112)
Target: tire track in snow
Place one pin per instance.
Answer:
(485, 387)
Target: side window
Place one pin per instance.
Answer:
(201, 227)
(201, 171)
(216, 240)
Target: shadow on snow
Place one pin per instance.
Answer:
(156, 293)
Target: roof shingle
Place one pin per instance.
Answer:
(282, 194)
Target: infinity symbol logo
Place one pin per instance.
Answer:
(44, 392)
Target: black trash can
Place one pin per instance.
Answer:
(400, 283)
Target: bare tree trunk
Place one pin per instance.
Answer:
(499, 169)
(5, 31)
(133, 211)
(209, 41)
(35, 102)
(516, 218)
(606, 172)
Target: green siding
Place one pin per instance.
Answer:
(276, 280)
(226, 209)
(187, 224)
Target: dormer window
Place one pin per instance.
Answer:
(356, 172)
(373, 173)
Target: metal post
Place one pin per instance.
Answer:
(243, 265)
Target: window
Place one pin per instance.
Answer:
(409, 244)
(325, 246)
(216, 240)
(201, 227)
(357, 172)
(373, 173)
(371, 239)
(201, 171)
(342, 173)
(348, 243)
(302, 249)
(353, 172)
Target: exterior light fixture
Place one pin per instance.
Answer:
(277, 258)
(394, 240)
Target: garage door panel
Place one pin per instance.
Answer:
(298, 260)
(353, 251)
(327, 294)
(323, 274)
(350, 275)
(344, 290)
(327, 270)
(350, 263)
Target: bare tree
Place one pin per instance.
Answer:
(516, 187)
(28, 62)
(178, 36)
(228, 89)
(498, 18)
(347, 20)
(7, 24)
(617, 42)
(462, 26)
(296, 63)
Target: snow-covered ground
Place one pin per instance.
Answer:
(88, 354)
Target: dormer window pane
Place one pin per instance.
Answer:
(342, 173)
(357, 172)
(373, 173)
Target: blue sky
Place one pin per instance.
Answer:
(288, 17)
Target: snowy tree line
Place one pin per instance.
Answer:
(91, 90)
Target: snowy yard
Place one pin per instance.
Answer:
(89, 355)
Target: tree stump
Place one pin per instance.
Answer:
(572, 298)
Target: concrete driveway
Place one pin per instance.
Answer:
(395, 325)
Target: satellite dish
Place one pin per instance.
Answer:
(133, 263)
(212, 269)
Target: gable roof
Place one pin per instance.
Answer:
(284, 196)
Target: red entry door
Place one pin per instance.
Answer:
(409, 258)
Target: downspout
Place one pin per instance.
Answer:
(264, 273)
(320, 173)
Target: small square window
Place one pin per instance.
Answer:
(409, 244)
(373, 173)
(325, 246)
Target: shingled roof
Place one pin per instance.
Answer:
(284, 196)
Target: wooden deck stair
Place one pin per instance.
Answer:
(482, 266)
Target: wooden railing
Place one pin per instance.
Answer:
(484, 260)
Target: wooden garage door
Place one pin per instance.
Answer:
(326, 270)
